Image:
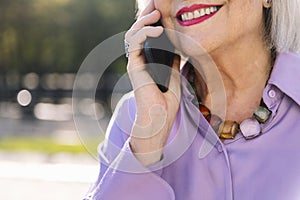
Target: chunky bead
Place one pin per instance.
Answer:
(228, 129)
(262, 114)
(215, 122)
(205, 112)
(250, 128)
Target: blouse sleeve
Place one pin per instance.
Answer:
(121, 175)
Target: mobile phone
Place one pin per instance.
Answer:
(159, 55)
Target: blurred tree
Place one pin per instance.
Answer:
(55, 36)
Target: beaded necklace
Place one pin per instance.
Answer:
(228, 129)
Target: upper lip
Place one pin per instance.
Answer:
(195, 7)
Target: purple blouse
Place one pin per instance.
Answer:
(196, 165)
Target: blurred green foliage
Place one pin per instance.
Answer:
(46, 145)
(55, 36)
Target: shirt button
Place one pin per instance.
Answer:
(272, 93)
(220, 149)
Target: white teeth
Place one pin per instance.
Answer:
(190, 15)
(207, 11)
(198, 13)
(186, 16)
(202, 12)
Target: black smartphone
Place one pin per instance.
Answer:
(158, 52)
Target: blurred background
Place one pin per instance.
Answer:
(42, 45)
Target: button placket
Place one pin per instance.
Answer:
(272, 97)
(220, 148)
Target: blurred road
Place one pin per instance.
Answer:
(36, 176)
(32, 127)
(39, 176)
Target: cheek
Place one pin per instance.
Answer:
(239, 19)
(246, 14)
(164, 7)
(193, 44)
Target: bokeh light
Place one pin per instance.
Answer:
(31, 81)
(24, 97)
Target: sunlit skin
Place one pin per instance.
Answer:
(234, 39)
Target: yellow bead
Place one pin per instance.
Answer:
(228, 129)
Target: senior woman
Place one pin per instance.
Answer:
(253, 150)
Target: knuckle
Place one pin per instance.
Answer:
(127, 35)
(142, 18)
(136, 23)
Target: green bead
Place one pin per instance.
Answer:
(262, 114)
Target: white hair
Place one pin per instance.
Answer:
(282, 24)
(141, 4)
(285, 25)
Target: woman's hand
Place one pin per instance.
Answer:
(156, 111)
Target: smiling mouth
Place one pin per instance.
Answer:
(196, 14)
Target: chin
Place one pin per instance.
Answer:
(192, 44)
(196, 49)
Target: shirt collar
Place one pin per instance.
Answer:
(211, 138)
(285, 74)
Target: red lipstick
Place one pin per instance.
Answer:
(200, 8)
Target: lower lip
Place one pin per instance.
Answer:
(197, 20)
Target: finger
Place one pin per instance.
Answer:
(147, 31)
(147, 20)
(136, 42)
(148, 9)
(174, 85)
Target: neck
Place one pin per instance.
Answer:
(244, 69)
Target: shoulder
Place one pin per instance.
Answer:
(288, 59)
